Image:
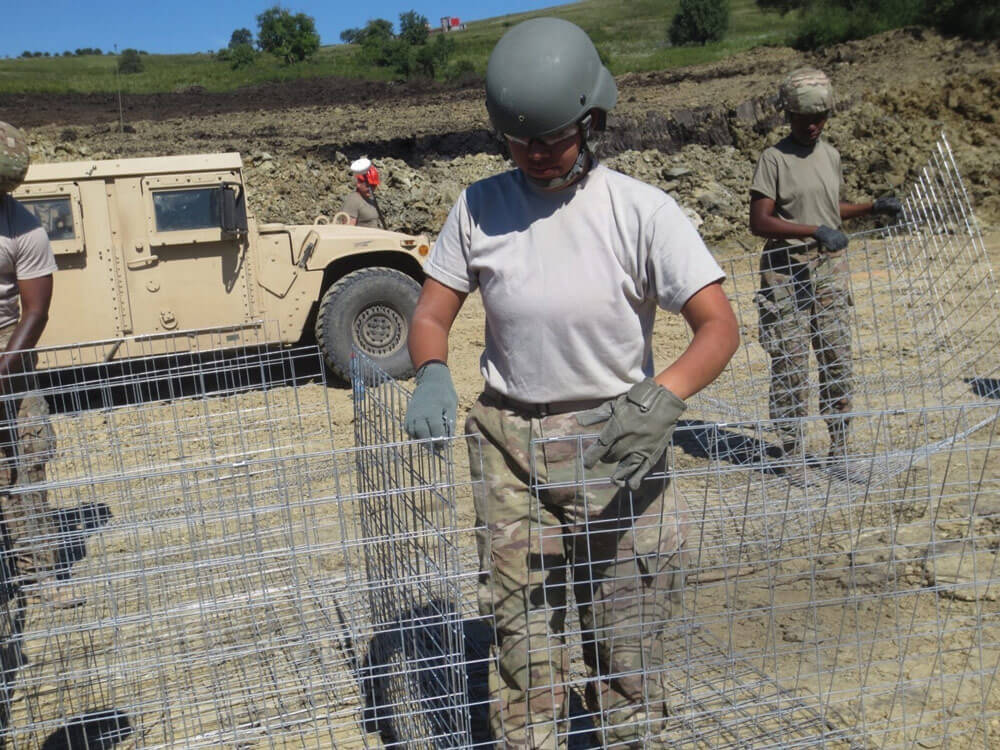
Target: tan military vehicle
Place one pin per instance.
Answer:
(154, 245)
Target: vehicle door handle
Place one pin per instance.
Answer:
(137, 263)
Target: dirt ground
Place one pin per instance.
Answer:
(695, 133)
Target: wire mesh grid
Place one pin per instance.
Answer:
(842, 613)
(235, 580)
(191, 504)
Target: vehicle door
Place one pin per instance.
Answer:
(185, 248)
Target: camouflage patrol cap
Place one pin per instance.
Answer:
(806, 91)
(14, 157)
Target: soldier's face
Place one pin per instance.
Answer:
(363, 188)
(547, 161)
(806, 129)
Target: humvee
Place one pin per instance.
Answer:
(161, 244)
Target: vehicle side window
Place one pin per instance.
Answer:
(178, 210)
(55, 216)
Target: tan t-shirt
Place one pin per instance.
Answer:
(570, 279)
(804, 182)
(25, 253)
(358, 208)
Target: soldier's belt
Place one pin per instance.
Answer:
(494, 398)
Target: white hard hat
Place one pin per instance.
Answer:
(362, 165)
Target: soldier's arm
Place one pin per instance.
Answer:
(436, 311)
(36, 295)
(853, 210)
(716, 337)
(765, 223)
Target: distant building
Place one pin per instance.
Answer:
(451, 23)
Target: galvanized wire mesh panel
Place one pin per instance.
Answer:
(189, 502)
(845, 613)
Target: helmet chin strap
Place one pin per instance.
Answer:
(584, 161)
(580, 167)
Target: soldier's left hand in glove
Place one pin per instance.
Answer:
(887, 205)
(639, 426)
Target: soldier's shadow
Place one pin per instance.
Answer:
(707, 440)
(95, 730)
(408, 698)
(76, 526)
(985, 387)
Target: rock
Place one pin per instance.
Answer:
(963, 571)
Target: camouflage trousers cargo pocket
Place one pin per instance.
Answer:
(619, 551)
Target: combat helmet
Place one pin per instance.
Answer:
(544, 75)
(14, 157)
(806, 91)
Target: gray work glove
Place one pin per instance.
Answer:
(830, 239)
(638, 430)
(887, 205)
(434, 404)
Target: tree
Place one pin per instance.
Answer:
(240, 36)
(413, 28)
(700, 22)
(130, 62)
(350, 36)
(290, 37)
(433, 57)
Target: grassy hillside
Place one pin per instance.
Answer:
(631, 34)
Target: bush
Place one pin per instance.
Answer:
(241, 56)
(433, 57)
(970, 18)
(700, 22)
(462, 72)
(129, 62)
(292, 38)
(826, 23)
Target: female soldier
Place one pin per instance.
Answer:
(572, 260)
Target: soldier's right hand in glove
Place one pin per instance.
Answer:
(830, 239)
(638, 430)
(434, 404)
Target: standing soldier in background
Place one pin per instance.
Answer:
(795, 203)
(31, 528)
(572, 260)
(360, 206)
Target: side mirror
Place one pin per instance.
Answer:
(234, 209)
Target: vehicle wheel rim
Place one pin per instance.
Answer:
(379, 330)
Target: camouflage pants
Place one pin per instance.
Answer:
(622, 553)
(28, 443)
(803, 302)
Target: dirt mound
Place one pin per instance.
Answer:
(695, 132)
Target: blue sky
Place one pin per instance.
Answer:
(160, 26)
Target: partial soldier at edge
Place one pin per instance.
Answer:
(31, 527)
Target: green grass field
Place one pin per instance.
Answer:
(631, 34)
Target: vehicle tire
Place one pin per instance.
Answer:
(371, 309)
